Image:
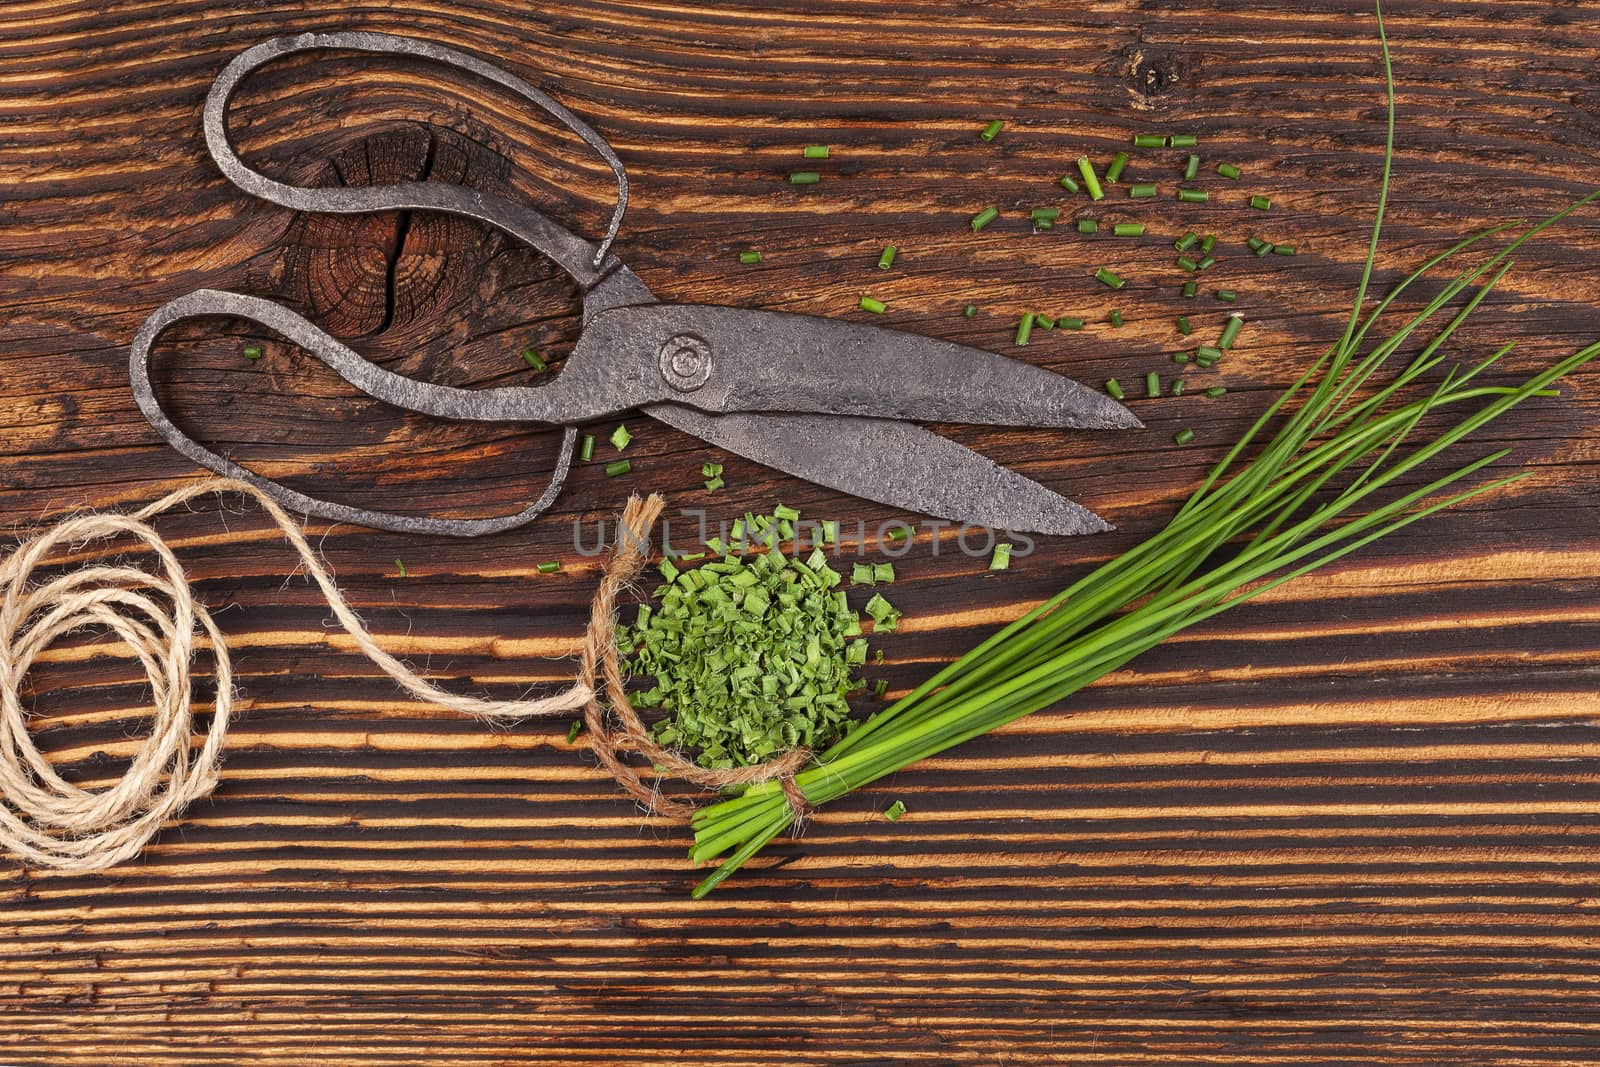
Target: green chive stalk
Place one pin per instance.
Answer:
(1336, 459)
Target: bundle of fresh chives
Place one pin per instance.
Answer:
(1284, 512)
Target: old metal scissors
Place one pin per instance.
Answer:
(827, 400)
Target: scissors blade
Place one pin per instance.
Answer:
(737, 359)
(894, 463)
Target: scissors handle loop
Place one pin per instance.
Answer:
(384, 385)
(584, 261)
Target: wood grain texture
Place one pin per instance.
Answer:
(1355, 822)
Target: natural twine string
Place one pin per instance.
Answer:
(48, 821)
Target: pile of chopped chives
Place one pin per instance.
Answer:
(752, 655)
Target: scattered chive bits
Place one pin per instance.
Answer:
(1088, 226)
(1045, 214)
(1188, 264)
(1115, 318)
(1043, 322)
(574, 730)
(1001, 560)
(1180, 357)
(1191, 167)
(816, 151)
(804, 177)
(1141, 192)
(1182, 244)
(1069, 183)
(1091, 181)
(1260, 203)
(1177, 388)
(984, 217)
(750, 258)
(1114, 389)
(1024, 328)
(712, 473)
(886, 257)
(880, 689)
(620, 466)
(549, 566)
(1118, 162)
(991, 131)
(1183, 436)
(1217, 390)
(1228, 170)
(1152, 384)
(1182, 140)
(1207, 263)
(1208, 244)
(1227, 296)
(620, 437)
(970, 311)
(400, 566)
(1283, 250)
(534, 359)
(895, 810)
(1106, 276)
(252, 352)
(1128, 229)
(1183, 325)
(1068, 323)
(1149, 140)
(877, 307)
(1189, 289)
(586, 447)
(1230, 332)
(750, 655)
(1193, 196)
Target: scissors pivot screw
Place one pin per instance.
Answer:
(685, 362)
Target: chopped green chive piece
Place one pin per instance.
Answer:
(898, 534)
(1283, 250)
(1208, 244)
(1183, 325)
(620, 438)
(1087, 226)
(883, 572)
(1141, 192)
(885, 616)
(1183, 436)
(895, 810)
(804, 177)
(1114, 171)
(877, 307)
(830, 531)
(880, 689)
(1152, 384)
(1182, 140)
(1091, 181)
(1260, 203)
(1128, 229)
(984, 217)
(1230, 332)
(784, 513)
(991, 131)
(1264, 249)
(621, 466)
(252, 352)
(1149, 140)
(1188, 264)
(861, 574)
(886, 258)
(1182, 244)
(1207, 263)
(1048, 214)
(1041, 225)
(574, 730)
(401, 567)
(1180, 357)
(1193, 196)
(550, 566)
(1208, 352)
(1043, 322)
(1108, 277)
(1069, 183)
(712, 473)
(1205, 362)
(749, 258)
(1114, 316)
(1069, 323)
(1217, 390)
(1024, 328)
(1189, 289)
(533, 359)
(1227, 295)
(1001, 560)
(971, 310)
(1177, 387)
(1228, 170)
(1114, 389)
(816, 151)
(586, 447)
(1191, 167)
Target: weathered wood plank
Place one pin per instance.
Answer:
(1355, 821)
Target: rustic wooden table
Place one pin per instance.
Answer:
(1358, 821)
